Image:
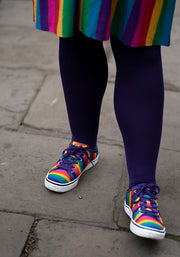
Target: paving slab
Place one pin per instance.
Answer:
(67, 239)
(28, 48)
(109, 129)
(14, 232)
(9, 119)
(18, 88)
(50, 103)
(168, 179)
(49, 112)
(171, 122)
(172, 109)
(24, 162)
(16, 13)
(171, 55)
(170, 138)
(21, 44)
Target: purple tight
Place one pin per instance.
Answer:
(138, 97)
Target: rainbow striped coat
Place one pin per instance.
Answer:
(134, 22)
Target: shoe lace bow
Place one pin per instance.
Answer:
(71, 155)
(146, 196)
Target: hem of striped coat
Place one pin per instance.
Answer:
(63, 35)
(46, 29)
(146, 43)
(102, 38)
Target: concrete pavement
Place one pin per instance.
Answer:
(89, 220)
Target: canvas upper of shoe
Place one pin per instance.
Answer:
(73, 161)
(144, 205)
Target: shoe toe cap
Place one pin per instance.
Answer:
(150, 222)
(59, 176)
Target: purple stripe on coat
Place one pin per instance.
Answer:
(103, 17)
(44, 14)
(132, 23)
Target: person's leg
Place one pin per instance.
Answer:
(84, 72)
(138, 102)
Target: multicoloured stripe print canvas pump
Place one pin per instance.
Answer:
(141, 206)
(75, 160)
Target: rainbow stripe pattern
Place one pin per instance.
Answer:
(144, 206)
(134, 22)
(72, 163)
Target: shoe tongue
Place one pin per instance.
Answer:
(79, 144)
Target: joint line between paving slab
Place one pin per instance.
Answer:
(29, 129)
(16, 26)
(32, 240)
(96, 225)
(34, 98)
(169, 88)
(3, 128)
(38, 218)
(51, 218)
(48, 72)
(8, 110)
(169, 149)
(117, 204)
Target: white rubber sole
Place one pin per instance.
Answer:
(61, 188)
(142, 231)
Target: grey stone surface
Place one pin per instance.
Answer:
(50, 103)
(62, 239)
(24, 162)
(108, 129)
(171, 123)
(21, 44)
(18, 87)
(171, 55)
(14, 232)
(49, 112)
(112, 70)
(9, 119)
(170, 138)
(168, 179)
(16, 13)
(172, 109)
(28, 48)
